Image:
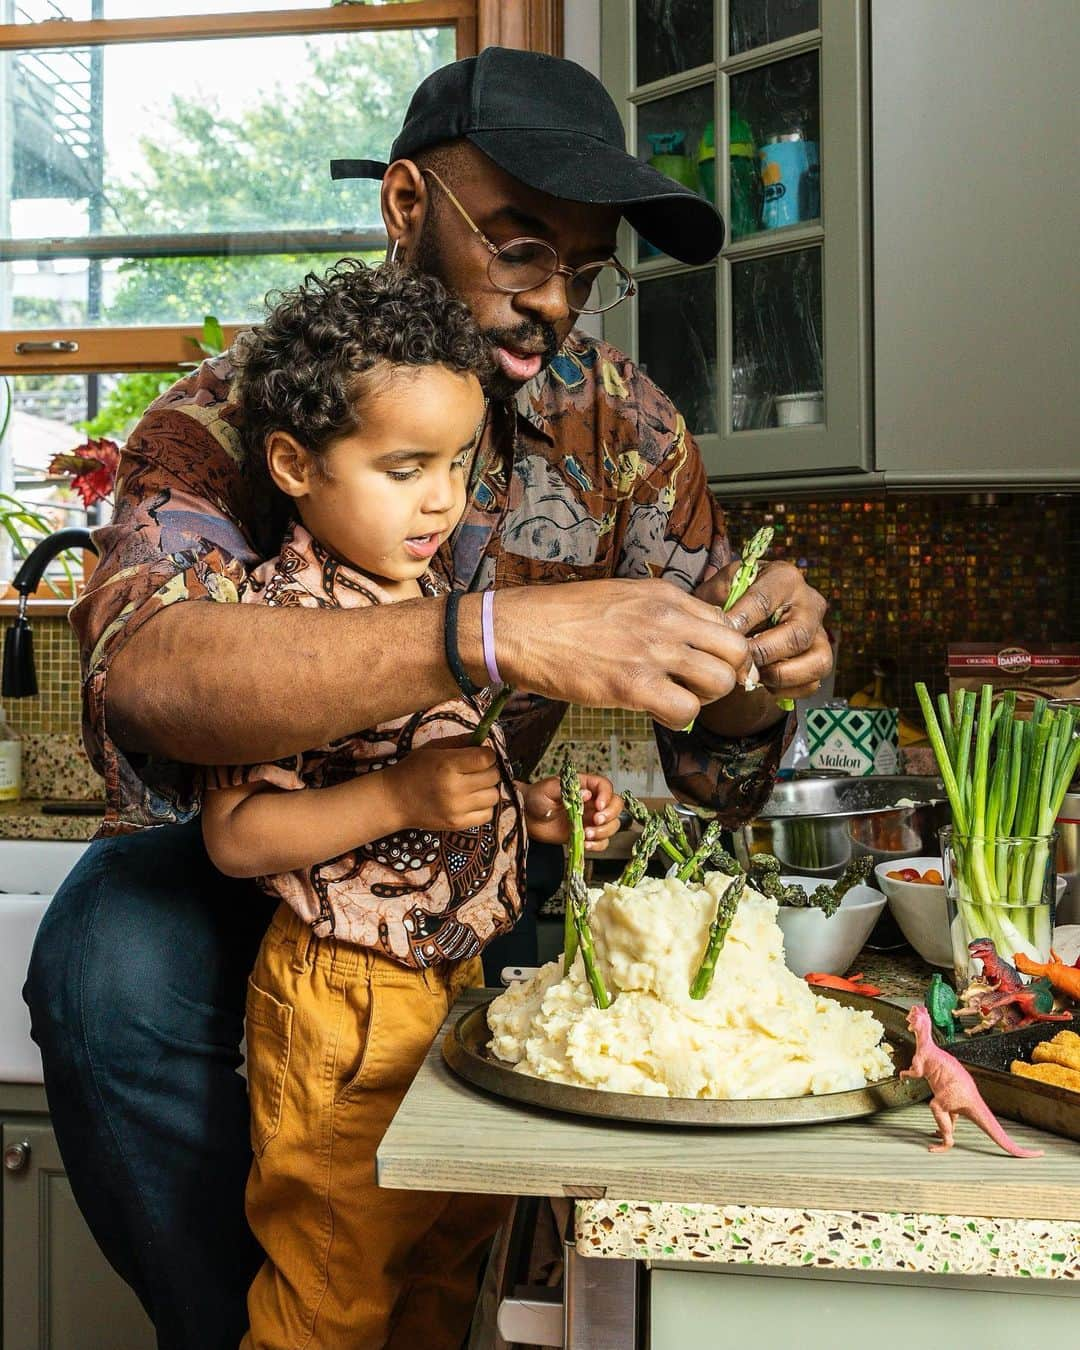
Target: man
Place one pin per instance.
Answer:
(588, 514)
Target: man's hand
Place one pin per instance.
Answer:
(547, 821)
(793, 656)
(439, 788)
(637, 644)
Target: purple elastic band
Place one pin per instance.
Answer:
(487, 629)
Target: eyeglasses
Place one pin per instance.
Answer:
(524, 264)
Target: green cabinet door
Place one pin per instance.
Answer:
(763, 109)
(59, 1291)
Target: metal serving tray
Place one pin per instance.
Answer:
(466, 1050)
(1043, 1105)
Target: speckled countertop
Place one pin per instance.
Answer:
(24, 820)
(937, 1244)
(54, 769)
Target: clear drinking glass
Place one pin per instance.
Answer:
(1001, 889)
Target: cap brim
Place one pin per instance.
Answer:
(670, 216)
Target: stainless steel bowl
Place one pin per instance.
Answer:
(816, 825)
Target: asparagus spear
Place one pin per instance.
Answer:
(726, 907)
(577, 897)
(704, 850)
(645, 846)
(498, 703)
(753, 551)
(827, 898)
(675, 831)
(643, 815)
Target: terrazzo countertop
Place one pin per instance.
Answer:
(932, 1244)
(24, 820)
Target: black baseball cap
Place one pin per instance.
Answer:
(553, 126)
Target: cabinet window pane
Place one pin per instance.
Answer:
(756, 23)
(677, 343)
(676, 135)
(777, 372)
(775, 146)
(672, 36)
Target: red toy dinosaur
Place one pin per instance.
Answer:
(1000, 999)
(955, 1093)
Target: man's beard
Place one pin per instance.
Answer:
(526, 336)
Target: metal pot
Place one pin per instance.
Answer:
(816, 825)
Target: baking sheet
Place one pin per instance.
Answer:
(466, 1050)
(1043, 1105)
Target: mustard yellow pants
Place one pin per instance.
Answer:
(335, 1035)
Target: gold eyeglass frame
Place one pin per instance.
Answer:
(559, 269)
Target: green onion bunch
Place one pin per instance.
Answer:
(1006, 778)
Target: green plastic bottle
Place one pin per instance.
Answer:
(669, 157)
(745, 184)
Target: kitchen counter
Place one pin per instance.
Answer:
(25, 820)
(859, 1195)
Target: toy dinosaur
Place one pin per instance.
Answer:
(1065, 979)
(851, 985)
(954, 1090)
(999, 1000)
(941, 1003)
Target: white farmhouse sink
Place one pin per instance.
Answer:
(30, 871)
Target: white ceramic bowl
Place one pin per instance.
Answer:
(919, 909)
(814, 943)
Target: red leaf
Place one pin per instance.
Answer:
(91, 467)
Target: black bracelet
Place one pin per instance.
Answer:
(450, 641)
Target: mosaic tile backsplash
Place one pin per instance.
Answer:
(904, 576)
(56, 709)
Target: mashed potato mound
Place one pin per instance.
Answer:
(759, 1032)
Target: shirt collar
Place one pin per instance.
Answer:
(529, 403)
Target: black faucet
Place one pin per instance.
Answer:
(20, 677)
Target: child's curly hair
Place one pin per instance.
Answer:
(302, 370)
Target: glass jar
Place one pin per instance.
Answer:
(1001, 889)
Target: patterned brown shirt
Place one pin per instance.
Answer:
(589, 473)
(420, 896)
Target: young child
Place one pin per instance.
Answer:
(397, 853)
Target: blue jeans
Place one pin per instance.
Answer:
(136, 992)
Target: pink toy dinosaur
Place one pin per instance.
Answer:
(955, 1093)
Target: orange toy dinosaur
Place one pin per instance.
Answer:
(1065, 979)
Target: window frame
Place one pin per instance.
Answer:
(535, 25)
(104, 348)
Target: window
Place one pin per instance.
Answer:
(155, 170)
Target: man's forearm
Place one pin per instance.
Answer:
(242, 684)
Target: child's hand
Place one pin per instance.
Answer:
(445, 788)
(547, 821)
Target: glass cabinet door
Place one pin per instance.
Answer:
(760, 105)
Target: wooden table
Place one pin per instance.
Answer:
(448, 1135)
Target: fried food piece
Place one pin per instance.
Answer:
(1063, 1049)
(1055, 1074)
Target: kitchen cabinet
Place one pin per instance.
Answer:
(976, 180)
(762, 105)
(901, 316)
(59, 1292)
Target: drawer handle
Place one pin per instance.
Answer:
(53, 345)
(16, 1156)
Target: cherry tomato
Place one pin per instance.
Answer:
(932, 877)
